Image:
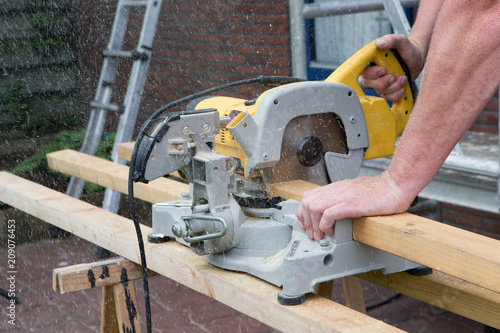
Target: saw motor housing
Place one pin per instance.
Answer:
(231, 149)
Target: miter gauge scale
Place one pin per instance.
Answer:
(230, 150)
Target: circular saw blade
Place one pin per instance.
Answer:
(326, 128)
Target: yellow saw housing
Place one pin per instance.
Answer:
(384, 123)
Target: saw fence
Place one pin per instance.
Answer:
(465, 280)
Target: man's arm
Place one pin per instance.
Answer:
(462, 73)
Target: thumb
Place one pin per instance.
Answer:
(392, 41)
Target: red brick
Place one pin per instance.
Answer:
(265, 8)
(284, 71)
(483, 214)
(488, 234)
(451, 206)
(245, 49)
(490, 117)
(235, 38)
(257, 39)
(484, 129)
(236, 58)
(278, 61)
(256, 60)
(278, 40)
(243, 8)
(198, 45)
(278, 18)
(492, 225)
(462, 219)
(492, 104)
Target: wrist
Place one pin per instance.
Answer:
(420, 50)
(400, 190)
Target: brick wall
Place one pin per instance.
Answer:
(474, 220)
(198, 45)
(39, 77)
(92, 24)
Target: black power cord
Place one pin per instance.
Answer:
(264, 80)
(8, 296)
(383, 302)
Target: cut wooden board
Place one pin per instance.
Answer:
(294, 190)
(240, 291)
(113, 176)
(96, 274)
(444, 291)
(459, 253)
(118, 305)
(125, 149)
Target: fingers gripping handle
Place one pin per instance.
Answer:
(350, 71)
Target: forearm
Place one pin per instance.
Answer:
(423, 27)
(462, 72)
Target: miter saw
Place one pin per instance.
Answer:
(230, 150)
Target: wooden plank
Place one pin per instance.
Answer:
(119, 303)
(444, 291)
(96, 274)
(457, 252)
(290, 190)
(124, 150)
(114, 176)
(242, 292)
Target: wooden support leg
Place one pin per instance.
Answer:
(127, 311)
(324, 289)
(109, 320)
(119, 311)
(353, 293)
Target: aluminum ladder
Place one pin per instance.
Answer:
(112, 55)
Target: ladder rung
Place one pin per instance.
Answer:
(110, 107)
(135, 55)
(131, 3)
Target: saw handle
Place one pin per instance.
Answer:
(350, 71)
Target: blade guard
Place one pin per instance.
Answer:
(384, 123)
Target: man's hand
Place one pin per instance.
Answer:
(389, 86)
(364, 196)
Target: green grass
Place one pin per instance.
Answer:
(37, 163)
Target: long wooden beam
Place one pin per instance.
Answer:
(457, 252)
(96, 274)
(240, 291)
(114, 176)
(475, 295)
(444, 291)
(465, 255)
(113, 276)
